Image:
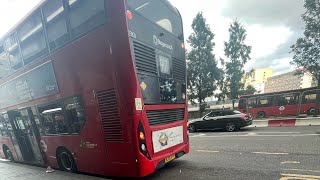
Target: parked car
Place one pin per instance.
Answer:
(230, 120)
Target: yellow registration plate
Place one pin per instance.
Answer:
(170, 158)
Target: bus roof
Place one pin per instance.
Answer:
(279, 92)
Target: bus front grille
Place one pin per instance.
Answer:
(145, 58)
(110, 117)
(160, 117)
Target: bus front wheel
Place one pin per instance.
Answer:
(8, 153)
(261, 114)
(66, 161)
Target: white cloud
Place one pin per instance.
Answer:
(12, 11)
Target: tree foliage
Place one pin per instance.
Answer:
(306, 50)
(203, 72)
(238, 54)
(248, 90)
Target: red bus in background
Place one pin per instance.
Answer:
(95, 86)
(280, 103)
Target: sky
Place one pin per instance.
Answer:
(272, 25)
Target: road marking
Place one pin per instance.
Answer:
(302, 170)
(258, 135)
(269, 132)
(290, 162)
(252, 134)
(207, 151)
(295, 176)
(269, 153)
(197, 135)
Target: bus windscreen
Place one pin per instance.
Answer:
(160, 13)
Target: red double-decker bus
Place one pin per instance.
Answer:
(293, 102)
(95, 86)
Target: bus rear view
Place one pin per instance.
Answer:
(157, 44)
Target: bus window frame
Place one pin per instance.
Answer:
(61, 103)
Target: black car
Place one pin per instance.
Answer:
(230, 120)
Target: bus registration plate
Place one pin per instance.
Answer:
(170, 158)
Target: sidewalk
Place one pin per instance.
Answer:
(15, 171)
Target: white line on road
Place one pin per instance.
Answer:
(270, 153)
(197, 135)
(259, 135)
(296, 176)
(207, 151)
(302, 170)
(290, 162)
(269, 132)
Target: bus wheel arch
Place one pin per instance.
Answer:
(66, 160)
(7, 153)
(261, 114)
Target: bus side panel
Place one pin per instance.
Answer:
(84, 71)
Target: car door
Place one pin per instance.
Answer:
(212, 121)
(221, 120)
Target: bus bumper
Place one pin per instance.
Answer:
(147, 166)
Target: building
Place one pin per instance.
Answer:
(258, 78)
(288, 81)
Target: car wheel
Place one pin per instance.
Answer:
(261, 114)
(231, 126)
(192, 128)
(66, 161)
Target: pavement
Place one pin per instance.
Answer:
(252, 153)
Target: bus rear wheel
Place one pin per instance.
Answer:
(312, 111)
(66, 161)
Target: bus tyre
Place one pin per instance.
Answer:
(8, 153)
(66, 161)
(261, 114)
(231, 126)
(312, 111)
(192, 128)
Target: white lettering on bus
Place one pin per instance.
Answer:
(157, 41)
(132, 34)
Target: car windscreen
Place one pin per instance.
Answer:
(159, 12)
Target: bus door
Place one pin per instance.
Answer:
(27, 134)
(288, 104)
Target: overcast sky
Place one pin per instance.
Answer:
(272, 25)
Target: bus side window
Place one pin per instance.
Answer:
(242, 104)
(75, 114)
(53, 119)
(309, 98)
(56, 25)
(32, 38)
(85, 15)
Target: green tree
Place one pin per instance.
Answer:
(203, 72)
(306, 50)
(238, 54)
(248, 90)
